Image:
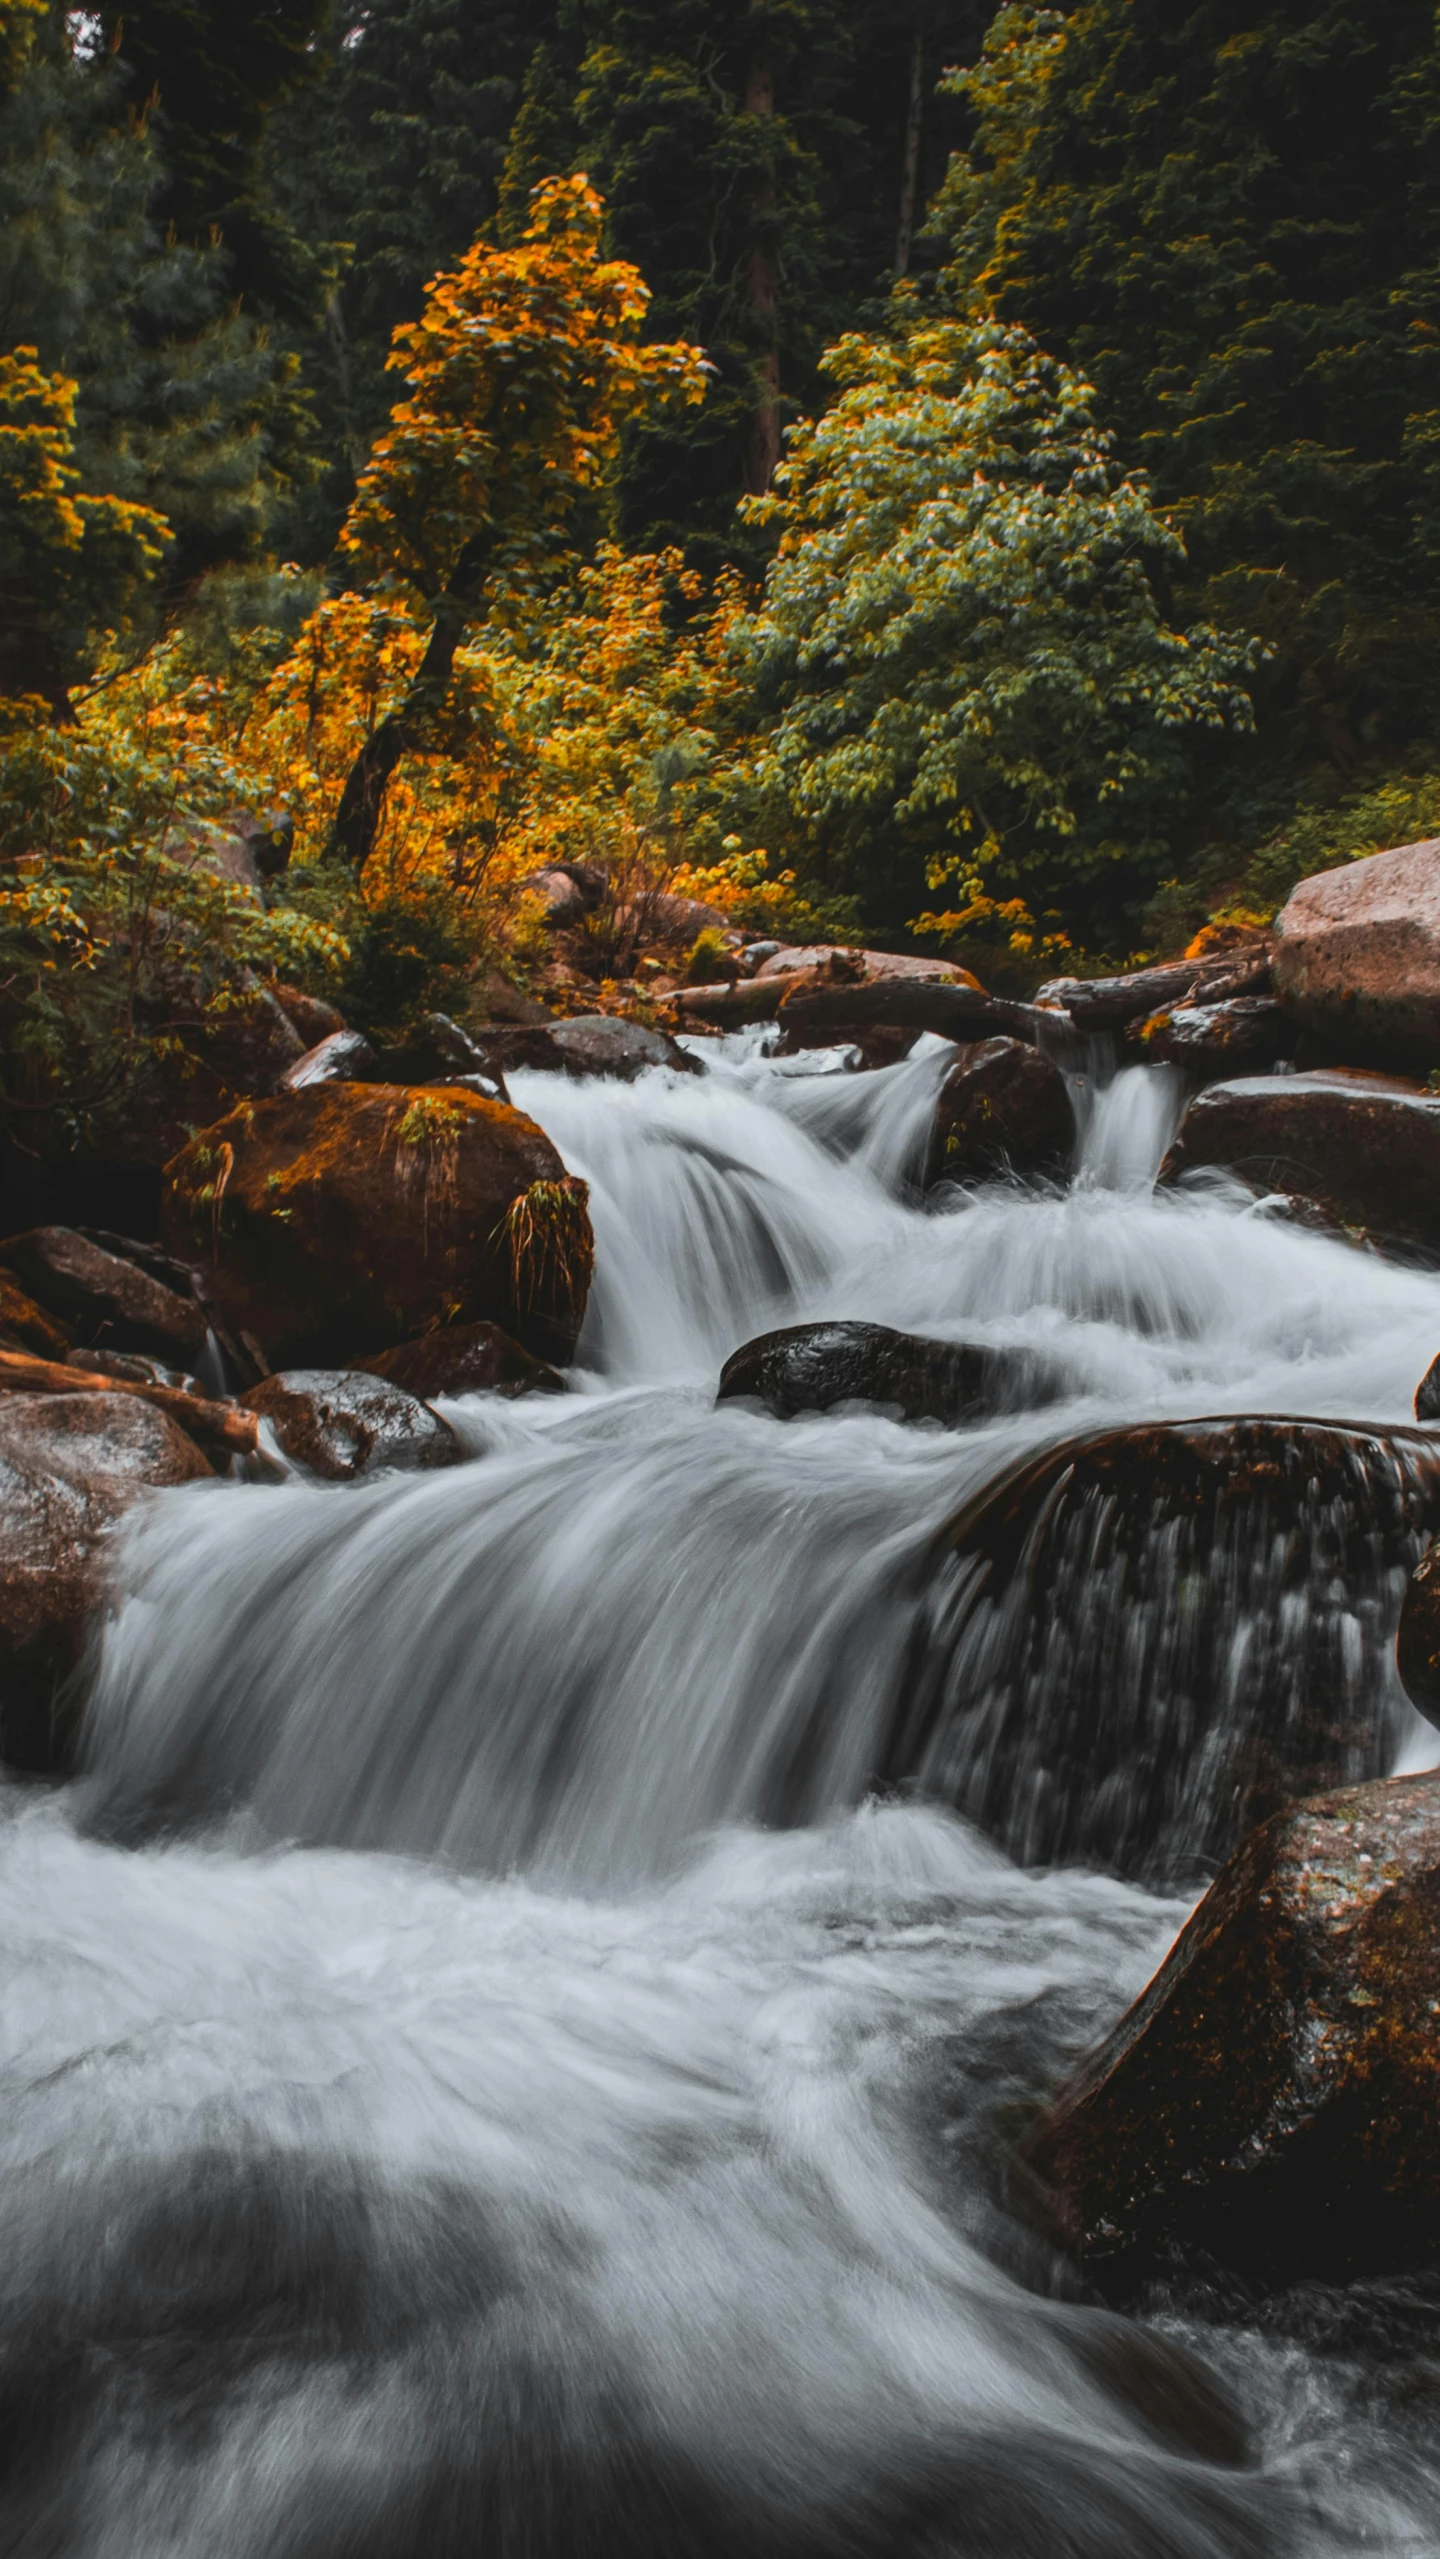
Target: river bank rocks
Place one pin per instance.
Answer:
(1246, 1035)
(1143, 1641)
(1357, 958)
(343, 1424)
(1003, 1108)
(103, 1298)
(1362, 1148)
(1273, 2099)
(1199, 980)
(347, 1218)
(810, 1368)
(71, 1466)
(465, 1359)
(586, 1044)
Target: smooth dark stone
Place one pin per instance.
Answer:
(1269, 2102)
(465, 1359)
(807, 1368)
(343, 1423)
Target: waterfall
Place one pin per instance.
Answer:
(482, 2068)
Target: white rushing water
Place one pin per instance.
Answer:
(516, 2098)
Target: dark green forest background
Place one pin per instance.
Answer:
(1225, 216)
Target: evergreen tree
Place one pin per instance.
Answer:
(182, 403)
(209, 74)
(397, 157)
(1229, 215)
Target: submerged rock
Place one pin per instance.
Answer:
(1273, 2099)
(465, 1359)
(101, 1297)
(1145, 1640)
(807, 1368)
(70, 1467)
(1357, 957)
(349, 1217)
(1003, 1108)
(347, 1423)
(1364, 1149)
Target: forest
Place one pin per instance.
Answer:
(966, 478)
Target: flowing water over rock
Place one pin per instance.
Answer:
(478, 2077)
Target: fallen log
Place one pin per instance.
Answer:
(210, 1425)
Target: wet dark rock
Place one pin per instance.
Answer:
(1144, 1640)
(808, 1368)
(437, 1052)
(350, 1217)
(1109, 1003)
(132, 1368)
(1273, 2099)
(465, 1359)
(1427, 1394)
(1417, 1644)
(310, 1016)
(792, 975)
(1357, 957)
(1244, 1036)
(342, 1057)
(101, 1297)
(1003, 1108)
(587, 1044)
(1365, 1149)
(70, 1467)
(343, 1424)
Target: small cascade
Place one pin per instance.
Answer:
(481, 2066)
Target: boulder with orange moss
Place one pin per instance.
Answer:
(344, 1218)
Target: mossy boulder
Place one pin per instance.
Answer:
(346, 1218)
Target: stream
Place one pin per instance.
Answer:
(481, 2075)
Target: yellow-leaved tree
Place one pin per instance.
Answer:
(521, 371)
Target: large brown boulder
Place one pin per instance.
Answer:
(342, 1424)
(1273, 2099)
(1363, 1148)
(1357, 957)
(70, 1467)
(348, 1217)
(1003, 1108)
(833, 974)
(1144, 1640)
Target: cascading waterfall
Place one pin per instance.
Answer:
(516, 2095)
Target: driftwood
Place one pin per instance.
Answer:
(212, 1426)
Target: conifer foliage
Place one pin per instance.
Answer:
(1228, 213)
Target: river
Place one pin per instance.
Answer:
(480, 2077)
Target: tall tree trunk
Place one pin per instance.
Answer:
(910, 168)
(764, 284)
(362, 802)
